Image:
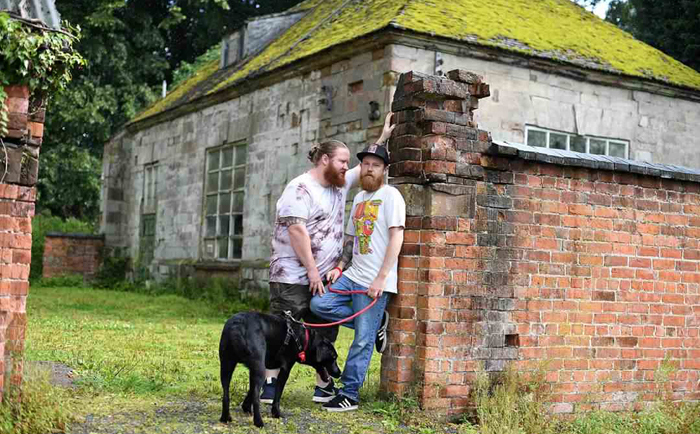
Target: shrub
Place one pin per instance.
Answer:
(67, 280)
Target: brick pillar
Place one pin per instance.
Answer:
(436, 152)
(19, 152)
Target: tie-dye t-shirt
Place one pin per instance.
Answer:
(323, 208)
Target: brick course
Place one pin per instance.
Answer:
(19, 166)
(16, 210)
(595, 272)
(72, 254)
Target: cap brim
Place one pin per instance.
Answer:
(361, 155)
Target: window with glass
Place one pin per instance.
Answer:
(543, 138)
(223, 202)
(150, 186)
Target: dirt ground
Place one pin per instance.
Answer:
(201, 416)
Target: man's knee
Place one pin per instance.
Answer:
(318, 306)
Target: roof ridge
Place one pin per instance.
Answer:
(304, 36)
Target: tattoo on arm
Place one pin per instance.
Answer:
(288, 221)
(347, 250)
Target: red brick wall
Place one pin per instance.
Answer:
(16, 211)
(72, 254)
(19, 166)
(510, 261)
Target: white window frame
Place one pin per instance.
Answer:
(211, 246)
(608, 140)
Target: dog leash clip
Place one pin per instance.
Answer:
(302, 357)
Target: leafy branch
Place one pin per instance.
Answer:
(37, 57)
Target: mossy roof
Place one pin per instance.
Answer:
(551, 29)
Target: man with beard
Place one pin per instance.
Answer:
(308, 241)
(373, 239)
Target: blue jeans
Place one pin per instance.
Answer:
(334, 307)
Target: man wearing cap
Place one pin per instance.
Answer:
(308, 241)
(373, 238)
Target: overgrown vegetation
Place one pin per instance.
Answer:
(43, 224)
(37, 406)
(151, 365)
(36, 57)
(510, 402)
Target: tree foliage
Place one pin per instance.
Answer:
(672, 26)
(130, 47)
(69, 182)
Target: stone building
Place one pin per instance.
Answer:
(191, 183)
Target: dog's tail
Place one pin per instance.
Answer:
(234, 342)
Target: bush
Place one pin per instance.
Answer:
(41, 225)
(219, 292)
(36, 406)
(509, 402)
(67, 280)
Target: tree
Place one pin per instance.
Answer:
(69, 183)
(130, 47)
(672, 26)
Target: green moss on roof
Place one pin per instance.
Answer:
(552, 29)
(180, 91)
(556, 29)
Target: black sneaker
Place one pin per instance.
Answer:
(268, 392)
(341, 403)
(325, 394)
(380, 342)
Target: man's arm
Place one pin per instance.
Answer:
(392, 255)
(345, 259)
(301, 243)
(383, 138)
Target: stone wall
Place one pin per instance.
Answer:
(279, 124)
(587, 267)
(659, 125)
(19, 151)
(66, 254)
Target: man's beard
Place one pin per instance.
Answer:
(371, 183)
(334, 177)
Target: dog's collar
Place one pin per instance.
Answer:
(291, 335)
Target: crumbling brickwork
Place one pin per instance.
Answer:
(590, 272)
(72, 254)
(19, 151)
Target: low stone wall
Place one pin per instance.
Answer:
(586, 266)
(73, 254)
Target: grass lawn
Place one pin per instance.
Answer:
(143, 361)
(147, 364)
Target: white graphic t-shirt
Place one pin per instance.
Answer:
(323, 208)
(371, 217)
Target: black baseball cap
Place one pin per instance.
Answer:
(376, 150)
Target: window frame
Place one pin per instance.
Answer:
(588, 138)
(232, 190)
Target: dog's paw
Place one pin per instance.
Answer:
(226, 419)
(276, 413)
(245, 408)
(258, 423)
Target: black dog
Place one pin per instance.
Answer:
(258, 340)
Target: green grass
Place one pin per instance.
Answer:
(135, 353)
(146, 363)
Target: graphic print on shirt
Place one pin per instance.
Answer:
(365, 215)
